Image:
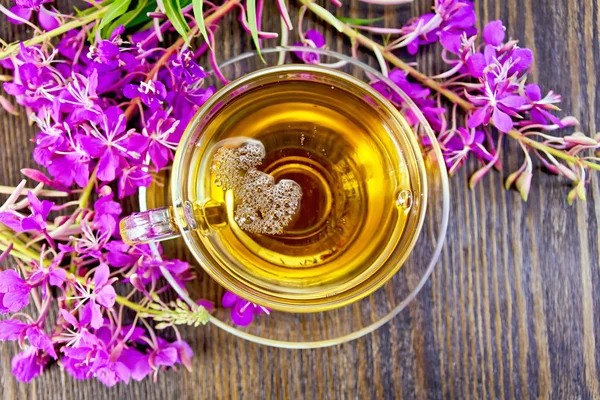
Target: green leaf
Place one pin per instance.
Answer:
(197, 5)
(114, 11)
(142, 17)
(126, 18)
(251, 8)
(173, 12)
(359, 21)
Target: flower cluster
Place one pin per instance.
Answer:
(486, 85)
(82, 97)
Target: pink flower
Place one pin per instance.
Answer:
(102, 294)
(496, 103)
(494, 33)
(313, 39)
(36, 221)
(14, 292)
(28, 364)
(13, 329)
(242, 311)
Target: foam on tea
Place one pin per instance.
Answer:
(261, 206)
(305, 189)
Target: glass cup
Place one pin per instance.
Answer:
(192, 221)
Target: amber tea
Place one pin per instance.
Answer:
(306, 187)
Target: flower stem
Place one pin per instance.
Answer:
(20, 247)
(124, 302)
(136, 307)
(215, 16)
(87, 191)
(96, 15)
(434, 85)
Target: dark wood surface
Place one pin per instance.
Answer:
(512, 309)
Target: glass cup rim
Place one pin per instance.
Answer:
(440, 237)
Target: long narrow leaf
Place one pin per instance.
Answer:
(142, 17)
(251, 9)
(285, 15)
(173, 12)
(359, 21)
(114, 11)
(126, 18)
(199, 15)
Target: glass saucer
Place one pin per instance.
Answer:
(321, 329)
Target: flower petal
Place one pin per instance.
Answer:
(502, 121)
(101, 275)
(494, 33)
(479, 117)
(106, 296)
(11, 329)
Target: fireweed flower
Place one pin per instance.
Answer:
(110, 143)
(28, 364)
(92, 297)
(133, 177)
(70, 163)
(496, 103)
(242, 311)
(31, 4)
(152, 93)
(13, 329)
(160, 138)
(14, 292)
(417, 93)
(185, 67)
(312, 39)
(33, 85)
(36, 221)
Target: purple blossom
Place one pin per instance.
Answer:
(132, 178)
(53, 275)
(71, 44)
(13, 329)
(110, 371)
(161, 138)
(110, 144)
(40, 340)
(70, 164)
(50, 139)
(496, 103)
(28, 364)
(418, 93)
(137, 363)
(14, 292)
(312, 39)
(458, 21)
(242, 311)
(31, 4)
(80, 99)
(36, 221)
(33, 86)
(23, 13)
(47, 21)
(539, 107)
(101, 294)
(185, 67)
(494, 33)
(459, 146)
(152, 93)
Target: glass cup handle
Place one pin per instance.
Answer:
(149, 226)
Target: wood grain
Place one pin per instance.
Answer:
(511, 311)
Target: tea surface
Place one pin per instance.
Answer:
(323, 202)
